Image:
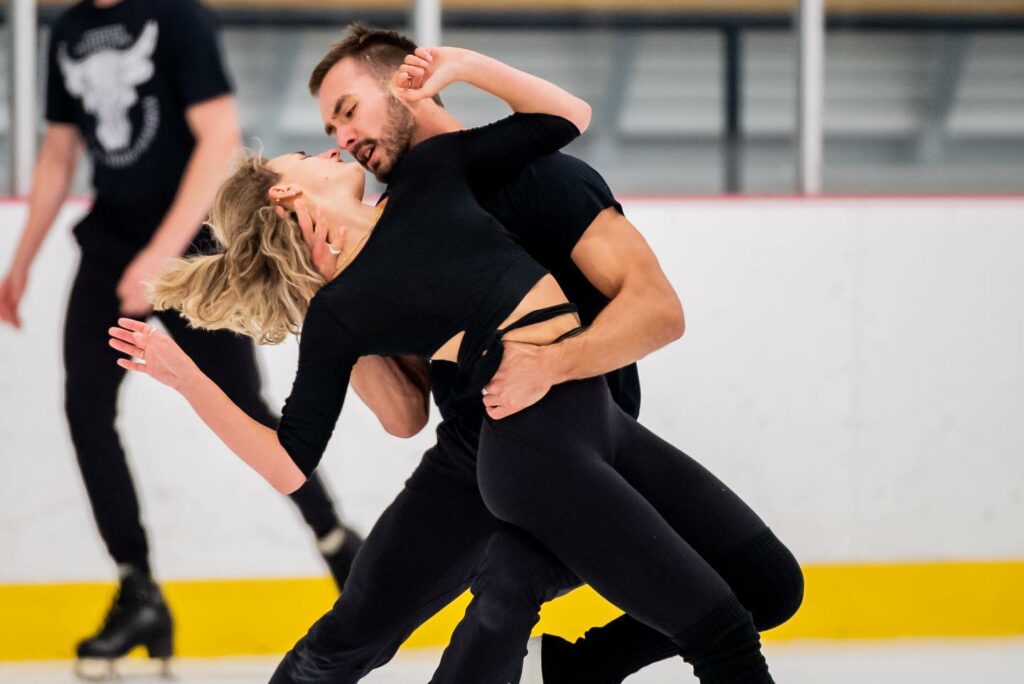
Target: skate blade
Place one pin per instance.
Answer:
(108, 669)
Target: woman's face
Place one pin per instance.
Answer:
(318, 177)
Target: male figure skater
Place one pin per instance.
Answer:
(142, 84)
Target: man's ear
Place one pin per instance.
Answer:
(284, 193)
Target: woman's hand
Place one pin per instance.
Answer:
(160, 356)
(429, 71)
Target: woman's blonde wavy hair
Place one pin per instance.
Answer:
(261, 280)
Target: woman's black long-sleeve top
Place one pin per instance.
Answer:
(436, 264)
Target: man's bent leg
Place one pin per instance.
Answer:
(517, 575)
(421, 554)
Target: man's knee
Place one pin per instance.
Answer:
(518, 570)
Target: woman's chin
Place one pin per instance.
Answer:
(354, 179)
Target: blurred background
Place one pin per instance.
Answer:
(691, 96)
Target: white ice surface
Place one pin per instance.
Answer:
(918, 661)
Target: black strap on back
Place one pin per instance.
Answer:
(538, 316)
(477, 371)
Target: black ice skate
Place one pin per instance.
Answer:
(137, 617)
(339, 547)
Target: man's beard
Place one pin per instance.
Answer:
(394, 140)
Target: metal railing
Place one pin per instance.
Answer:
(811, 20)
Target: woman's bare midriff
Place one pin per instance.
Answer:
(544, 294)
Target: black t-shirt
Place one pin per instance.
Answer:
(437, 263)
(546, 208)
(124, 75)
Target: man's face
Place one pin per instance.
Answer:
(365, 118)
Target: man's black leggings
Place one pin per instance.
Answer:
(420, 555)
(91, 385)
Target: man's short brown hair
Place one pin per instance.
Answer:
(379, 51)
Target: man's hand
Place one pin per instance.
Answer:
(325, 242)
(11, 290)
(429, 71)
(131, 290)
(527, 372)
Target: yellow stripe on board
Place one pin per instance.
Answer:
(231, 617)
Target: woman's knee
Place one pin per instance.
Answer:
(767, 579)
(785, 596)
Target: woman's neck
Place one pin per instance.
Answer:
(357, 219)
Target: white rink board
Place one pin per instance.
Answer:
(853, 368)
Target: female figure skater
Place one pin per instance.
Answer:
(431, 273)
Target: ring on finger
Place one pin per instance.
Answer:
(333, 250)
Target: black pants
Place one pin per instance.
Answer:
(422, 553)
(518, 574)
(93, 378)
(438, 537)
(629, 514)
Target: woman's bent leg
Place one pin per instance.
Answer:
(550, 470)
(720, 526)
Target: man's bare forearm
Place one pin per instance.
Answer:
(397, 390)
(522, 91)
(203, 175)
(641, 319)
(51, 181)
(643, 312)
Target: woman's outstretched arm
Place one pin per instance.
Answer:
(254, 443)
(429, 70)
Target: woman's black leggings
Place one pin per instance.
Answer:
(590, 484)
(92, 381)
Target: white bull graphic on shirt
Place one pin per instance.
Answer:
(106, 83)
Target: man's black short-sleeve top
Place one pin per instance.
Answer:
(547, 208)
(125, 75)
